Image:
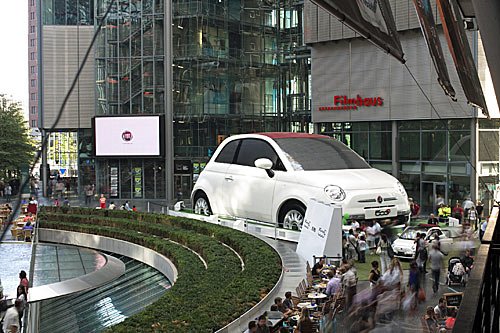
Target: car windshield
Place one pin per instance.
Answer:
(411, 233)
(320, 154)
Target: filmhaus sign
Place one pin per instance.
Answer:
(352, 103)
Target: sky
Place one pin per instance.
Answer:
(14, 50)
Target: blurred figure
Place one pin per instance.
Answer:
(458, 212)
(431, 320)
(436, 260)
(374, 275)
(479, 210)
(432, 219)
(305, 324)
(385, 253)
(350, 281)
(252, 327)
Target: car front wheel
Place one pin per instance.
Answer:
(292, 216)
(201, 205)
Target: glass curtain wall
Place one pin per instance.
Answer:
(489, 158)
(434, 161)
(433, 155)
(371, 140)
(130, 80)
(239, 67)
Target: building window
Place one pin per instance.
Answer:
(32, 69)
(32, 15)
(33, 123)
(33, 96)
(32, 2)
(32, 42)
(33, 110)
(32, 56)
(32, 29)
(33, 83)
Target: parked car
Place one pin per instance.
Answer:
(270, 177)
(404, 246)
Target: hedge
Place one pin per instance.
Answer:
(201, 300)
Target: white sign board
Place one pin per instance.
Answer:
(127, 136)
(321, 231)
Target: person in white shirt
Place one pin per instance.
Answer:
(377, 229)
(482, 230)
(112, 206)
(11, 319)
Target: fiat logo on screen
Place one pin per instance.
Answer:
(127, 136)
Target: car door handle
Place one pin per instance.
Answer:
(229, 178)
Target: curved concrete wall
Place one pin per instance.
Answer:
(134, 251)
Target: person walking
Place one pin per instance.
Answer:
(385, 253)
(8, 192)
(458, 212)
(436, 260)
(479, 211)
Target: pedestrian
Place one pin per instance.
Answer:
(112, 206)
(472, 217)
(351, 245)
(436, 260)
(66, 202)
(11, 318)
(458, 212)
(482, 230)
(21, 295)
(377, 229)
(23, 280)
(467, 205)
(127, 206)
(374, 275)
(89, 194)
(8, 192)
(421, 253)
(363, 248)
(134, 209)
(349, 282)
(370, 237)
(102, 201)
(479, 211)
(386, 253)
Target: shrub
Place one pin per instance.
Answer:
(201, 300)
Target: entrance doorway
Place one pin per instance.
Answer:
(183, 186)
(433, 194)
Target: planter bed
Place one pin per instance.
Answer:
(202, 300)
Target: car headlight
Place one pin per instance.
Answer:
(334, 192)
(401, 189)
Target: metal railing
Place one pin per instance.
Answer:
(479, 310)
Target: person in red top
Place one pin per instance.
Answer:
(28, 217)
(102, 202)
(32, 206)
(23, 280)
(134, 209)
(450, 321)
(458, 212)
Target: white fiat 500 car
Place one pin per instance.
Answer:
(270, 177)
(404, 246)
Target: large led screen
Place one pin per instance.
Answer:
(127, 136)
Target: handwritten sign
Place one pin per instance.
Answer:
(321, 231)
(453, 299)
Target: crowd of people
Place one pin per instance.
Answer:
(11, 314)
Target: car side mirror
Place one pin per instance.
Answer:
(266, 164)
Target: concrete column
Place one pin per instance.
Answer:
(395, 149)
(169, 107)
(474, 159)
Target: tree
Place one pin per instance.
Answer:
(16, 146)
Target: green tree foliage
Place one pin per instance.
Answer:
(16, 146)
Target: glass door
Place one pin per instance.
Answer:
(433, 194)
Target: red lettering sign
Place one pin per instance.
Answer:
(349, 103)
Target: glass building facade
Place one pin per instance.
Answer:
(237, 67)
(433, 159)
